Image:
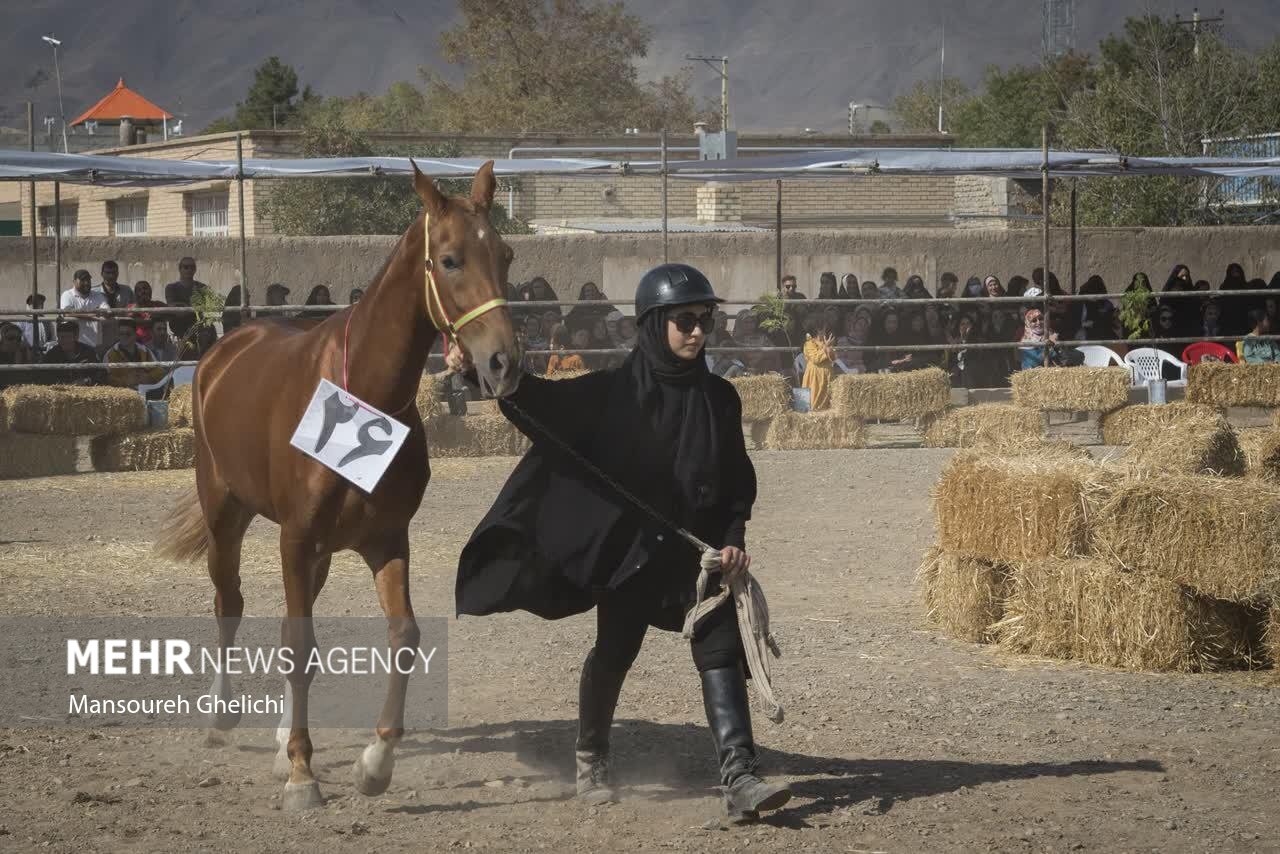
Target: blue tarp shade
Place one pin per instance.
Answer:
(1008, 163)
(136, 171)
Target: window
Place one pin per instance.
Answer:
(129, 217)
(70, 220)
(209, 214)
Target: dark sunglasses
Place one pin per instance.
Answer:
(686, 321)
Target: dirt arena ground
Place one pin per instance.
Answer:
(896, 739)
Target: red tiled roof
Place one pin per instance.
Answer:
(123, 102)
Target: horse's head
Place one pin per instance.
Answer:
(469, 260)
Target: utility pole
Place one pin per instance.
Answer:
(723, 71)
(1196, 23)
(55, 43)
(942, 75)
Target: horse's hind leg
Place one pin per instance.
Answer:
(388, 558)
(227, 520)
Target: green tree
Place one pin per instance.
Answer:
(918, 109)
(553, 65)
(1016, 103)
(1155, 95)
(373, 205)
(403, 107)
(273, 100)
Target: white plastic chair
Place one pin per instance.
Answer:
(1097, 356)
(1147, 362)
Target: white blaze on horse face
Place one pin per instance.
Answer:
(480, 234)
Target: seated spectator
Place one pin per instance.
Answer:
(127, 349)
(14, 351)
(590, 308)
(162, 345)
(870, 291)
(70, 350)
(973, 288)
(551, 318)
(915, 288)
(182, 292)
(277, 294)
(827, 286)
(319, 296)
(1037, 336)
(84, 303)
(849, 287)
(819, 368)
(231, 309)
(534, 341)
(1258, 350)
(1166, 327)
(40, 335)
(947, 285)
(857, 329)
(206, 337)
(1093, 319)
(142, 299)
(1211, 320)
(889, 333)
(889, 288)
(968, 368)
(935, 330)
(789, 288)
(580, 339)
(562, 361)
(599, 335)
(357, 294)
(627, 332)
(1017, 286)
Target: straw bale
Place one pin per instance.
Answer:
(1091, 611)
(986, 425)
(1222, 384)
(963, 597)
(30, 455)
(180, 406)
(813, 431)
(475, 436)
(892, 397)
(430, 401)
(1220, 537)
(1196, 447)
(1133, 423)
(151, 451)
(763, 397)
(1261, 449)
(1275, 419)
(1072, 389)
(4, 415)
(74, 410)
(1006, 509)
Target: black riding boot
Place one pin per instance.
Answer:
(597, 698)
(724, 693)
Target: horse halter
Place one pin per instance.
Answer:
(449, 328)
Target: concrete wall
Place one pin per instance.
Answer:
(741, 265)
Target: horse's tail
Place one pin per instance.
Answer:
(185, 537)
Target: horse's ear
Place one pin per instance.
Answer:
(426, 189)
(483, 186)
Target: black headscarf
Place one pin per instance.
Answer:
(674, 393)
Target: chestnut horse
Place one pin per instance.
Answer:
(250, 392)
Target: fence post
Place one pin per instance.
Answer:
(1044, 236)
(35, 253)
(666, 255)
(244, 269)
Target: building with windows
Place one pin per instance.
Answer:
(550, 203)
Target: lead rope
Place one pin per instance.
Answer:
(748, 596)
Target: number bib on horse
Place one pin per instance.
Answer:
(347, 435)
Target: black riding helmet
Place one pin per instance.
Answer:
(672, 284)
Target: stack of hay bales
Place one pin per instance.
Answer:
(906, 396)
(47, 429)
(985, 425)
(180, 406)
(1116, 564)
(151, 451)
(1225, 385)
(1072, 389)
(764, 398)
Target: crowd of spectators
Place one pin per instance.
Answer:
(818, 339)
(83, 334)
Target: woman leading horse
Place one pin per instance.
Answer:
(669, 431)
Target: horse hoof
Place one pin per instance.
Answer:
(216, 738)
(302, 796)
(367, 784)
(282, 767)
(224, 722)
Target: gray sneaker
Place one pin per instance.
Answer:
(593, 778)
